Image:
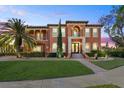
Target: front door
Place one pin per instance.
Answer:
(75, 47)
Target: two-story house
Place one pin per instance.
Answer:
(77, 37)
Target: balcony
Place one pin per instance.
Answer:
(76, 32)
(41, 36)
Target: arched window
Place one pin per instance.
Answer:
(76, 31)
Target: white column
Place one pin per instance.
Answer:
(69, 45)
(83, 44)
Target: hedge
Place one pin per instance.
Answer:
(116, 53)
(93, 52)
(33, 54)
(7, 54)
(55, 55)
(52, 55)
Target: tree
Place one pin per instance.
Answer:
(59, 41)
(107, 45)
(113, 24)
(18, 34)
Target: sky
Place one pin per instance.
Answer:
(42, 15)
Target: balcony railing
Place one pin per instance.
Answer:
(42, 38)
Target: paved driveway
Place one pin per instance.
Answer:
(101, 76)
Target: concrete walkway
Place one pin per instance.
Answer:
(95, 68)
(101, 76)
(87, 63)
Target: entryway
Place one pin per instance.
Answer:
(75, 48)
(76, 56)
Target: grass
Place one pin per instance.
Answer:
(35, 70)
(108, 65)
(104, 86)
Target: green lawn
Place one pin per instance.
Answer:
(109, 64)
(33, 70)
(104, 86)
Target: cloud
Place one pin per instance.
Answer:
(3, 20)
(13, 10)
(3, 9)
(18, 12)
(50, 15)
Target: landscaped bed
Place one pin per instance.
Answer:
(104, 86)
(34, 70)
(110, 64)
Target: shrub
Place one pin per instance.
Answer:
(90, 54)
(55, 55)
(116, 53)
(52, 55)
(7, 54)
(100, 53)
(33, 54)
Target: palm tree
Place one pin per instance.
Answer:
(18, 34)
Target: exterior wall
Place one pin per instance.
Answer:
(69, 28)
(43, 41)
(54, 39)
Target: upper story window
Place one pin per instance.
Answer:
(87, 32)
(54, 32)
(95, 32)
(63, 32)
(41, 35)
(38, 36)
(76, 31)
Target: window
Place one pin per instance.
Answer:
(37, 49)
(38, 36)
(54, 47)
(94, 46)
(54, 32)
(87, 47)
(63, 47)
(76, 32)
(87, 32)
(95, 34)
(41, 36)
(63, 32)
